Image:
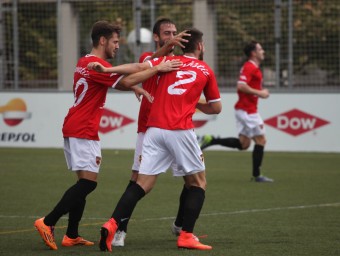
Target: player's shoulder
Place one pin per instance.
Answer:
(92, 58)
(249, 66)
(145, 56)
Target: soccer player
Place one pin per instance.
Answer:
(80, 128)
(249, 123)
(170, 139)
(165, 38)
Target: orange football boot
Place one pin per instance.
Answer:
(75, 241)
(107, 233)
(189, 241)
(46, 233)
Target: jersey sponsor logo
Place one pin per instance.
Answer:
(14, 112)
(295, 122)
(111, 121)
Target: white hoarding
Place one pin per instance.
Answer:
(294, 122)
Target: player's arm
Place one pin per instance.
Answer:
(210, 108)
(124, 69)
(139, 77)
(245, 88)
(169, 45)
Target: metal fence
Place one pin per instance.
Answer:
(41, 40)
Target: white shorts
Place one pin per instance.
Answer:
(138, 153)
(82, 154)
(163, 148)
(249, 125)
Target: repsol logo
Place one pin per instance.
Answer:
(295, 122)
(17, 137)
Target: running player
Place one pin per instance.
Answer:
(249, 123)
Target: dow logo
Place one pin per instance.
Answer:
(295, 122)
(111, 121)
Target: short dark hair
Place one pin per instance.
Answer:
(157, 27)
(251, 46)
(195, 38)
(105, 29)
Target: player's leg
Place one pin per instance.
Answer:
(178, 223)
(119, 238)
(74, 197)
(150, 168)
(210, 140)
(120, 235)
(258, 134)
(124, 209)
(85, 185)
(240, 143)
(244, 141)
(257, 157)
(192, 208)
(188, 155)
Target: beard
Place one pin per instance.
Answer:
(110, 53)
(161, 43)
(200, 57)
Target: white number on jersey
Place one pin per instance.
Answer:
(81, 81)
(178, 91)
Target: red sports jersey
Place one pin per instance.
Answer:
(150, 86)
(252, 76)
(90, 89)
(179, 91)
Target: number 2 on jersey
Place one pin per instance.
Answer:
(178, 91)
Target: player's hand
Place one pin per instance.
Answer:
(178, 39)
(166, 66)
(264, 94)
(96, 66)
(139, 92)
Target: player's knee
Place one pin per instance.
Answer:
(261, 141)
(245, 145)
(134, 176)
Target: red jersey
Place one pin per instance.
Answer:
(251, 75)
(150, 86)
(179, 91)
(90, 89)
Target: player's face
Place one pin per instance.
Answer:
(167, 31)
(112, 46)
(259, 52)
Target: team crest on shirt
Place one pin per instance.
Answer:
(98, 160)
(202, 158)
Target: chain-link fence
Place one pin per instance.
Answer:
(41, 40)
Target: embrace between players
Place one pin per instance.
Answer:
(172, 88)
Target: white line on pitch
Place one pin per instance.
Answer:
(209, 214)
